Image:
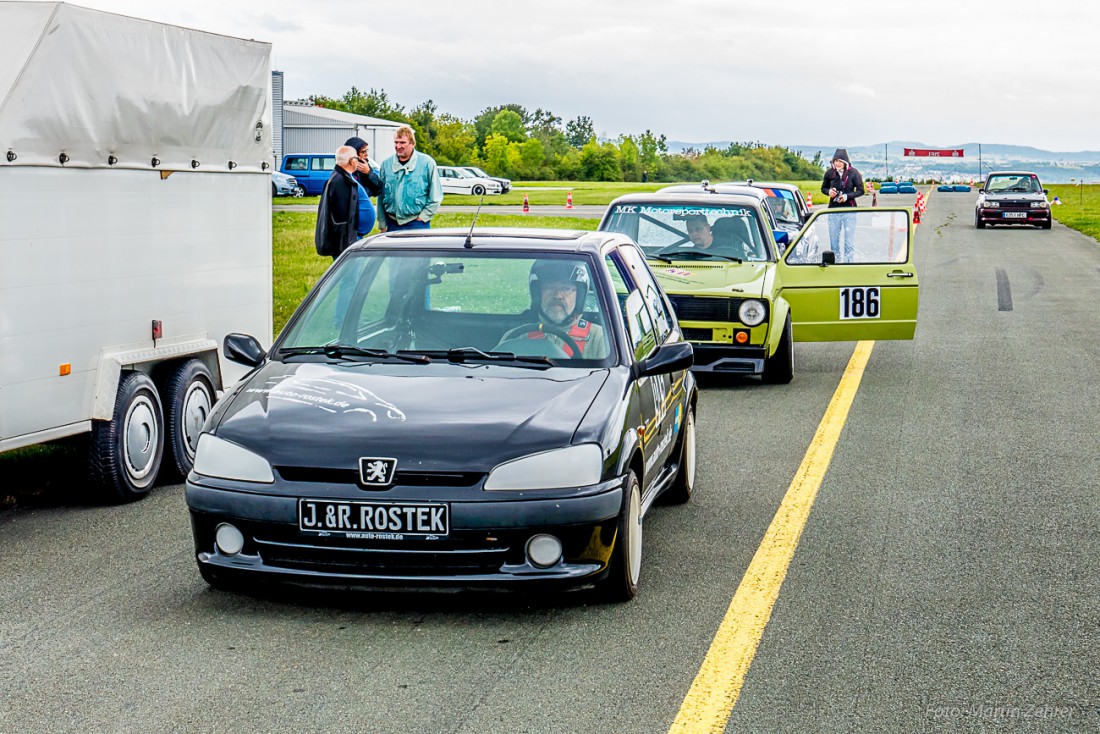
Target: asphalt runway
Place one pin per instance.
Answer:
(945, 580)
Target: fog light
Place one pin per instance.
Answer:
(543, 550)
(229, 540)
(741, 337)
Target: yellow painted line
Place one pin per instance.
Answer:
(713, 694)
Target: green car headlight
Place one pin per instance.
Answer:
(752, 312)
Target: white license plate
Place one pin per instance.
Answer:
(374, 520)
(1014, 215)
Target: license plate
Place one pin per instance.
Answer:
(1014, 215)
(374, 520)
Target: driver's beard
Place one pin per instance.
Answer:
(556, 315)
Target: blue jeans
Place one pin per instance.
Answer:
(842, 231)
(392, 226)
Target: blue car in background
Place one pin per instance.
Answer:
(311, 170)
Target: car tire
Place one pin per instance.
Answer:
(299, 192)
(1046, 225)
(684, 485)
(978, 223)
(189, 398)
(478, 190)
(779, 368)
(125, 453)
(626, 557)
(274, 190)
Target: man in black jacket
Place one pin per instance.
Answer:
(843, 184)
(338, 213)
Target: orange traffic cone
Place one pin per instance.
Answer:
(809, 201)
(916, 211)
(526, 206)
(569, 200)
(874, 195)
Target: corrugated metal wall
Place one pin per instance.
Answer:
(277, 118)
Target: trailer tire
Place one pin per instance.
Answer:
(126, 452)
(188, 398)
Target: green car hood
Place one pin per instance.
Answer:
(711, 278)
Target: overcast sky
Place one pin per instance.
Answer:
(941, 72)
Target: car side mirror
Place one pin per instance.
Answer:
(243, 349)
(828, 258)
(781, 237)
(1046, 191)
(668, 358)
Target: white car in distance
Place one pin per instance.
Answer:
(460, 181)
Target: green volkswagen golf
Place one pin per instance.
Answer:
(744, 293)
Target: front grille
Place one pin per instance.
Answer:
(323, 475)
(382, 562)
(688, 308)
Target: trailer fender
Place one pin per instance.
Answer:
(113, 360)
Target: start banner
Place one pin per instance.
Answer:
(935, 153)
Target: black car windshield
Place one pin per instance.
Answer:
(1015, 183)
(455, 306)
(691, 231)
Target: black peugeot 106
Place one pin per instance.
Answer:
(497, 408)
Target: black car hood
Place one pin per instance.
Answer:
(437, 417)
(1014, 196)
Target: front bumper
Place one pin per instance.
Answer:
(1013, 216)
(484, 549)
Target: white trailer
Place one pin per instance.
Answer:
(135, 232)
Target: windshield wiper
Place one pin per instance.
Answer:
(337, 351)
(460, 355)
(704, 253)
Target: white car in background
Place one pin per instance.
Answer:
(505, 183)
(460, 181)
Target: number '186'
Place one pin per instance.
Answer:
(860, 303)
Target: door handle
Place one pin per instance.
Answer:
(899, 274)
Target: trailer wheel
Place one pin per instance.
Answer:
(188, 398)
(126, 452)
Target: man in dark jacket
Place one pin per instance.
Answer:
(843, 184)
(338, 213)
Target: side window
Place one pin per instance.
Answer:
(324, 163)
(639, 324)
(295, 164)
(650, 291)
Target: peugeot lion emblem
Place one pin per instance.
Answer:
(377, 472)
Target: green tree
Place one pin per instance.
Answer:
(630, 159)
(579, 131)
(509, 124)
(501, 156)
(454, 141)
(600, 162)
(375, 103)
(483, 123)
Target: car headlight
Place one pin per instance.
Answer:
(991, 204)
(1040, 205)
(216, 457)
(752, 312)
(576, 466)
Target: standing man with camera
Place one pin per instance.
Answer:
(843, 184)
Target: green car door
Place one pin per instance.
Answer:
(849, 276)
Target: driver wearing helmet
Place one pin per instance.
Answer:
(558, 291)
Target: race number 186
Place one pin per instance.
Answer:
(860, 303)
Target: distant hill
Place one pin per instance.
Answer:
(871, 160)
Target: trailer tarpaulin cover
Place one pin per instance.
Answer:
(88, 85)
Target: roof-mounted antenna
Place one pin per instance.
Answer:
(470, 235)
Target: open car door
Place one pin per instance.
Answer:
(849, 275)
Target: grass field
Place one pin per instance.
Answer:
(1080, 207)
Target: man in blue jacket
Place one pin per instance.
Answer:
(411, 192)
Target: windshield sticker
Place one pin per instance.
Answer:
(677, 271)
(329, 395)
(681, 211)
